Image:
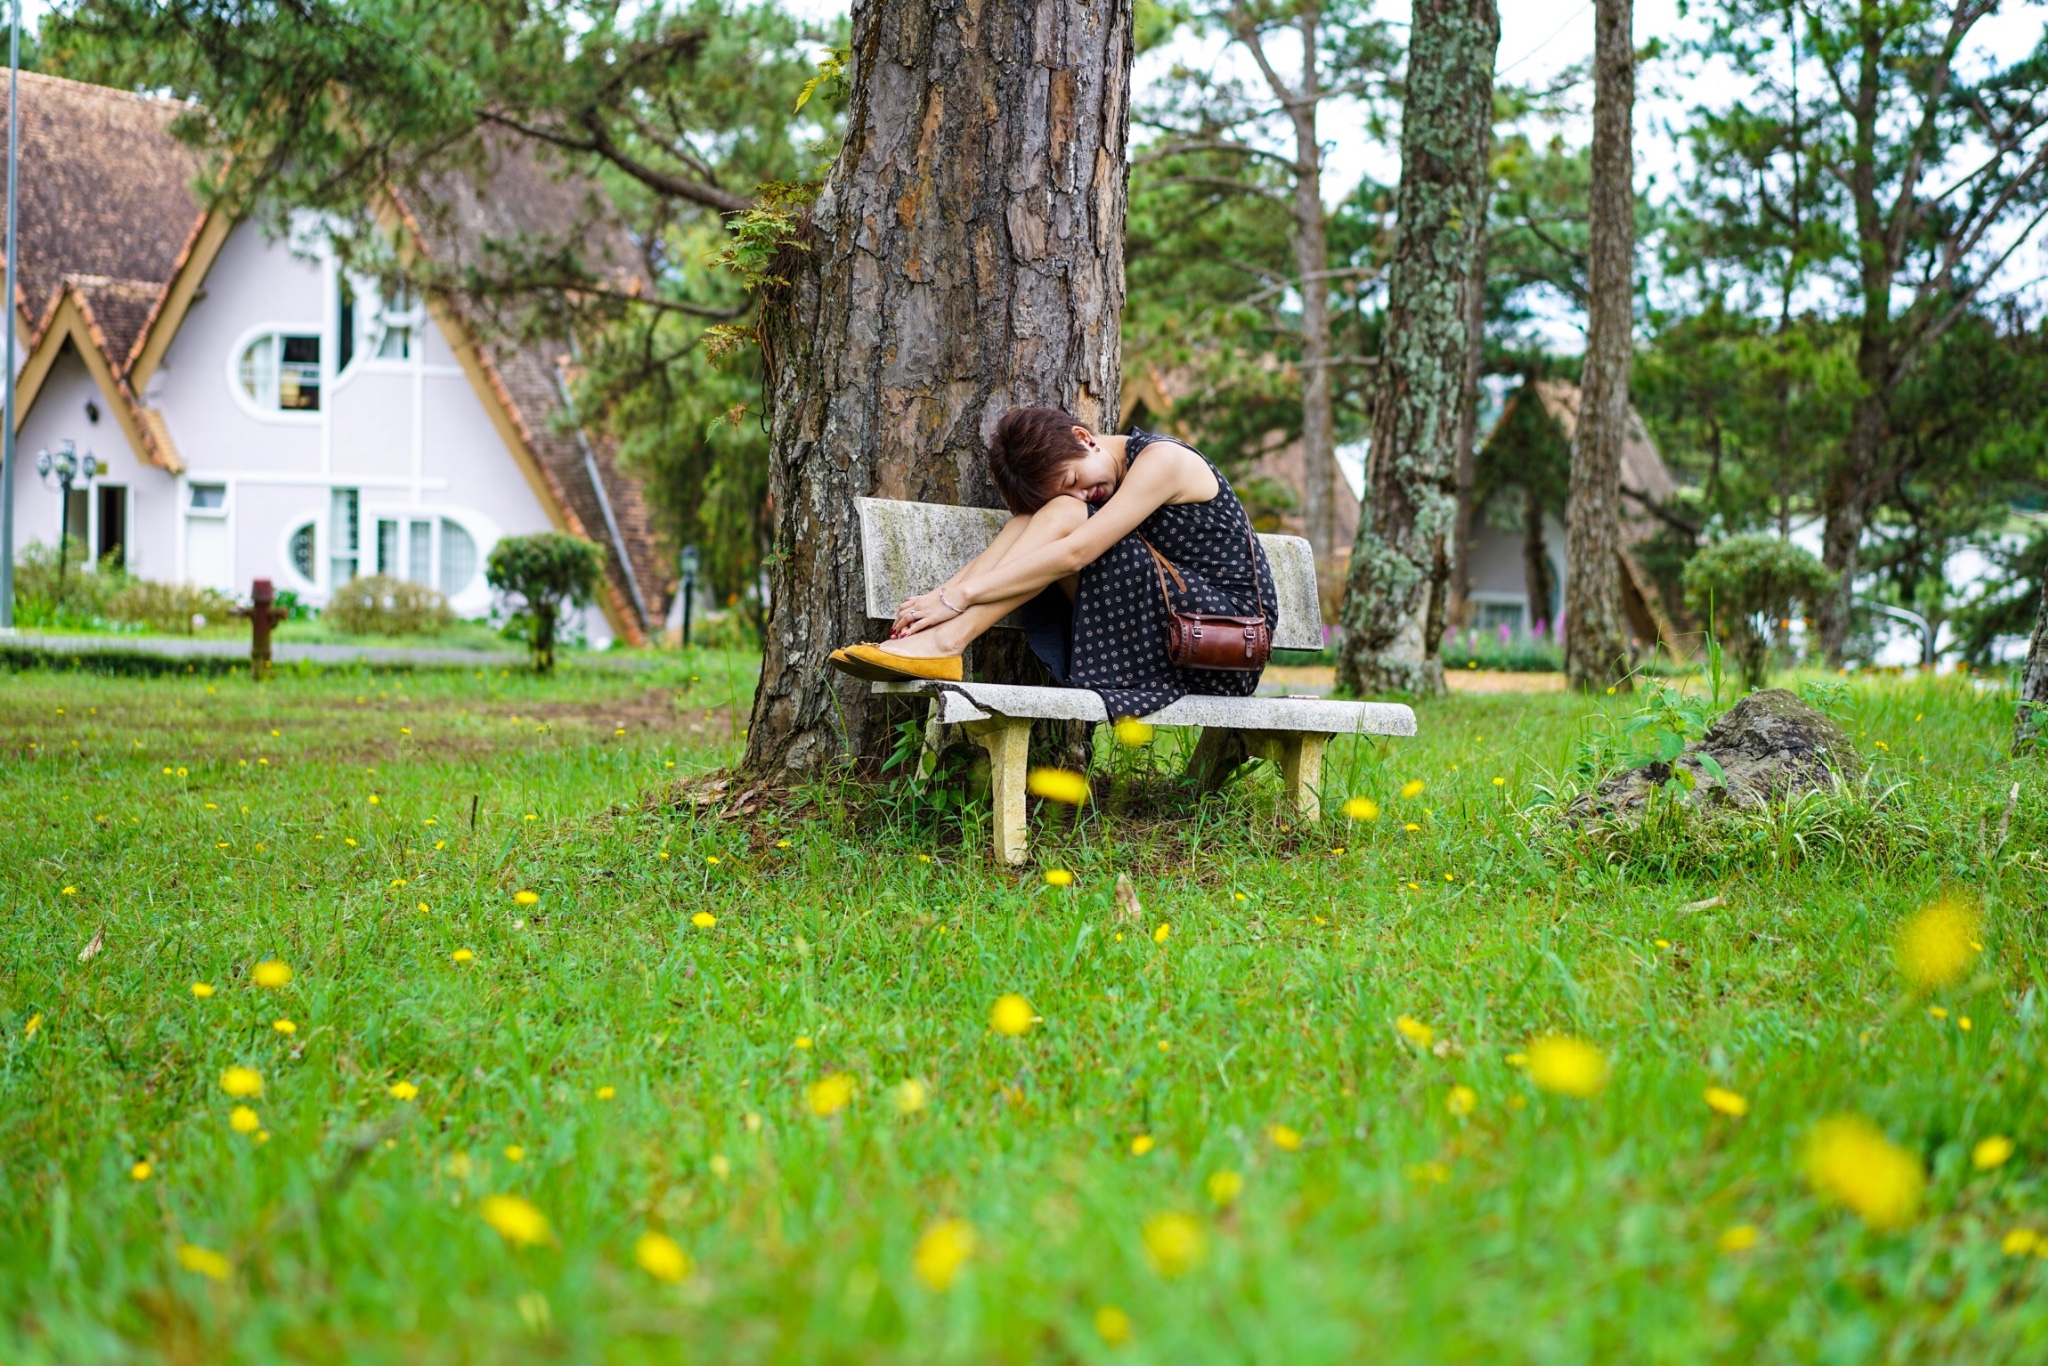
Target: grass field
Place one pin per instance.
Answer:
(773, 1042)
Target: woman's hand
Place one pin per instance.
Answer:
(921, 613)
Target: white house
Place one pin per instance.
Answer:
(259, 412)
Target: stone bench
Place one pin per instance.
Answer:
(911, 548)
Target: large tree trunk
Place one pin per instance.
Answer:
(964, 257)
(1845, 509)
(1596, 630)
(1446, 125)
(1312, 264)
(1459, 610)
(1535, 562)
(2030, 726)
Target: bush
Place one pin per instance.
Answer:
(1748, 583)
(169, 607)
(379, 605)
(541, 576)
(76, 598)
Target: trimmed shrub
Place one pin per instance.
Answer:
(379, 605)
(76, 598)
(540, 577)
(1750, 582)
(169, 607)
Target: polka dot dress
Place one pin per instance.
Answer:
(1111, 638)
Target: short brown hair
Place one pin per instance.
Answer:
(1030, 448)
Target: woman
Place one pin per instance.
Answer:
(1073, 559)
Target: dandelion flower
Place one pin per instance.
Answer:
(1461, 1101)
(1058, 877)
(1725, 1102)
(803, 1041)
(1142, 1144)
(829, 1094)
(284, 1026)
(662, 1257)
(69, 891)
(1568, 1066)
(942, 1251)
(721, 1166)
(1159, 935)
(1224, 1187)
(243, 1120)
(703, 920)
(202, 989)
(401, 1090)
(1112, 1325)
(1849, 1161)
(2020, 1242)
(461, 956)
(35, 1022)
(517, 1220)
(141, 1171)
(1011, 1015)
(1936, 945)
(206, 1262)
(1173, 1244)
(1737, 1238)
(712, 859)
(514, 1153)
(1991, 1152)
(1057, 785)
(1500, 782)
(242, 1082)
(1415, 1031)
(526, 898)
(271, 973)
(909, 1096)
(1132, 733)
(1285, 1137)
(607, 1092)
(1361, 809)
(1412, 788)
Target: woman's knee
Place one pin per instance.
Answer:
(1061, 514)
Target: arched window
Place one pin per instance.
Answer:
(304, 552)
(458, 558)
(280, 372)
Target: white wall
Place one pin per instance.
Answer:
(60, 413)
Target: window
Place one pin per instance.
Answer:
(344, 529)
(407, 548)
(345, 327)
(381, 322)
(458, 558)
(209, 498)
(282, 372)
(396, 321)
(304, 553)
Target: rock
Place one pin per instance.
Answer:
(1770, 746)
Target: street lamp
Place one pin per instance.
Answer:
(689, 589)
(67, 468)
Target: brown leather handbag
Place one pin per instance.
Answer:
(1209, 640)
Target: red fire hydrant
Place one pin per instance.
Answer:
(263, 613)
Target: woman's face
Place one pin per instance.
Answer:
(1092, 477)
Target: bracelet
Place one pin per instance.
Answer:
(956, 611)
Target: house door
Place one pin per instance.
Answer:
(111, 538)
(209, 548)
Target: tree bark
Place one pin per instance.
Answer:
(964, 257)
(1535, 563)
(1446, 125)
(2030, 726)
(1459, 611)
(1596, 629)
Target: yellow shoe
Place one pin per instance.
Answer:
(880, 666)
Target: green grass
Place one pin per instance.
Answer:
(1538, 1228)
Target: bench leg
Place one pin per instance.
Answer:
(1217, 755)
(1301, 768)
(1008, 743)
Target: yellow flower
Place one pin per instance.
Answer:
(202, 989)
(1285, 1137)
(206, 1262)
(1415, 1031)
(782, 844)
(1057, 785)
(1224, 1187)
(1991, 1152)
(1725, 1102)
(1112, 1325)
(1850, 1162)
(518, 1221)
(909, 1096)
(1411, 826)
(1568, 1066)
(803, 1041)
(373, 799)
(1142, 1144)
(1133, 733)
(711, 859)
(1936, 944)
(242, 1082)
(1362, 809)
(703, 920)
(1461, 1101)
(284, 1026)
(35, 1022)
(1159, 935)
(271, 973)
(721, 1166)
(829, 1094)
(243, 1120)
(69, 891)
(1737, 1238)
(607, 1092)
(1173, 1244)
(402, 1090)
(1011, 1015)
(140, 1171)
(942, 1251)
(1412, 788)
(461, 956)
(1938, 1012)
(526, 898)
(662, 1257)
(2020, 1242)
(1058, 877)
(1429, 1174)
(1500, 782)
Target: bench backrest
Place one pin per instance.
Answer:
(912, 548)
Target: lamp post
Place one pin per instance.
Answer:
(689, 589)
(67, 469)
(13, 323)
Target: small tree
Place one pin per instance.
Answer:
(544, 574)
(1748, 582)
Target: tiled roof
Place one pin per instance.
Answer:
(106, 201)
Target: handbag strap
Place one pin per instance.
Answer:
(1163, 566)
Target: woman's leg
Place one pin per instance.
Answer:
(1049, 523)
